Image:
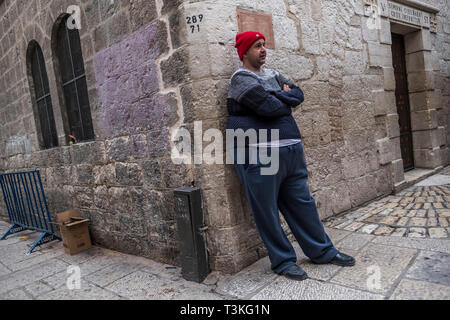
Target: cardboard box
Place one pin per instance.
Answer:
(74, 232)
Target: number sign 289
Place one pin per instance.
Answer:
(193, 22)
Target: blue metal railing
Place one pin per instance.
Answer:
(26, 204)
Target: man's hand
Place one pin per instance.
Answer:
(286, 88)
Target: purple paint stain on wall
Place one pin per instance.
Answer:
(127, 84)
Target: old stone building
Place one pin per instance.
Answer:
(119, 77)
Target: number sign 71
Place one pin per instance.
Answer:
(194, 20)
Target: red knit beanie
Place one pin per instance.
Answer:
(245, 40)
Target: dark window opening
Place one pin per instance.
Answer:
(43, 99)
(74, 85)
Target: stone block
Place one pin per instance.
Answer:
(362, 190)
(397, 171)
(326, 35)
(360, 164)
(354, 40)
(285, 33)
(224, 60)
(424, 120)
(177, 29)
(397, 147)
(293, 66)
(104, 175)
(142, 12)
(357, 114)
(442, 156)
(386, 150)
(118, 27)
(425, 139)
(174, 175)
(91, 14)
(385, 32)
(384, 183)
(118, 149)
(435, 62)
(170, 5)
(340, 199)
(419, 61)
(158, 143)
(218, 208)
(368, 34)
(388, 79)
(199, 61)
(154, 206)
(420, 81)
(129, 174)
(417, 41)
(380, 55)
(89, 152)
(84, 174)
(379, 102)
(162, 37)
(392, 125)
(420, 101)
(436, 99)
(175, 69)
(426, 158)
(219, 22)
(310, 37)
(353, 62)
(441, 136)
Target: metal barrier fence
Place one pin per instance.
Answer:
(26, 204)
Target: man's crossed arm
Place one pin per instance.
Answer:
(271, 104)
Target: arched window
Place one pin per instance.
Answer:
(73, 82)
(46, 124)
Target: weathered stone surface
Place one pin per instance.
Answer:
(129, 174)
(248, 280)
(175, 69)
(285, 289)
(31, 274)
(432, 267)
(380, 55)
(420, 290)
(177, 29)
(142, 12)
(170, 5)
(391, 263)
(118, 149)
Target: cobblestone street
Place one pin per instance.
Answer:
(401, 245)
(422, 211)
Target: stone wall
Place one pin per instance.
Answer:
(122, 181)
(348, 120)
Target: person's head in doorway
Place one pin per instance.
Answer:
(251, 49)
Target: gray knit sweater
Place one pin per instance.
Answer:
(257, 101)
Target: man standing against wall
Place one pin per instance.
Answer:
(263, 99)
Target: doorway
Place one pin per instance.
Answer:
(402, 100)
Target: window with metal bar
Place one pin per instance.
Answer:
(73, 78)
(43, 99)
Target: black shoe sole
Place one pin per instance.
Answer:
(343, 264)
(297, 278)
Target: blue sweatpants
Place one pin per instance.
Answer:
(287, 191)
